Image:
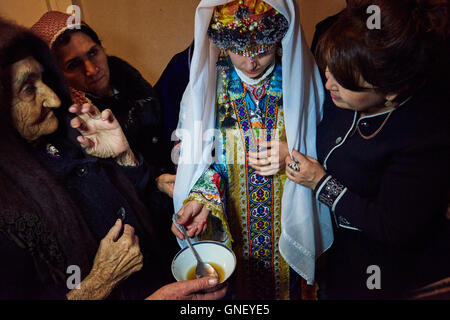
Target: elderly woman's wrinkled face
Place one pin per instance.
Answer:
(32, 101)
(85, 65)
(256, 66)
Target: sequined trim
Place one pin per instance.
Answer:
(210, 191)
(273, 283)
(214, 231)
(330, 191)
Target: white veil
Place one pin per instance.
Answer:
(306, 227)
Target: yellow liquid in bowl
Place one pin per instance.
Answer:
(219, 270)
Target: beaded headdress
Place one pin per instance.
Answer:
(247, 27)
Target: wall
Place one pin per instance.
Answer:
(27, 12)
(24, 12)
(147, 33)
(313, 11)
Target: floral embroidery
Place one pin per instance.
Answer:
(210, 187)
(331, 192)
(254, 202)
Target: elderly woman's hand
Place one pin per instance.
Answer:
(101, 134)
(271, 160)
(198, 289)
(117, 258)
(309, 173)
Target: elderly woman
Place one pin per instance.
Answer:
(383, 150)
(58, 202)
(254, 81)
(109, 82)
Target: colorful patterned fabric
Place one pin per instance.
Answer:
(305, 233)
(210, 191)
(247, 27)
(251, 205)
(257, 8)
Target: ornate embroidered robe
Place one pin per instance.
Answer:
(246, 206)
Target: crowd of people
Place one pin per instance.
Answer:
(326, 164)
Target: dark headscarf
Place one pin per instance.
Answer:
(36, 212)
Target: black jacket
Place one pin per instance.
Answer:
(139, 113)
(171, 86)
(103, 192)
(388, 197)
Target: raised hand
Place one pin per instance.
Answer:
(101, 134)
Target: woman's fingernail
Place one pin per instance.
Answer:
(212, 282)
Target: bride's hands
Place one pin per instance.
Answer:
(193, 216)
(271, 160)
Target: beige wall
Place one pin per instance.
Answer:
(24, 12)
(313, 11)
(27, 12)
(147, 33)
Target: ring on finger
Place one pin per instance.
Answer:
(294, 167)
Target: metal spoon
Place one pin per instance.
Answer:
(202, 269)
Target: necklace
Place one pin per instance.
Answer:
(378, 130)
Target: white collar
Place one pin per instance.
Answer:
(255, 82)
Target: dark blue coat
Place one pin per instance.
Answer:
(171, 86)
(103, 192)
(391, 197)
